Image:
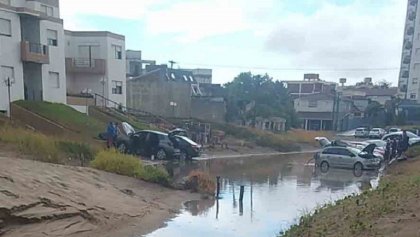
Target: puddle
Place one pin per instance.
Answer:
(277, 190)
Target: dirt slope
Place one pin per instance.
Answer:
(39, 199)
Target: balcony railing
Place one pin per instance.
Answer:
(34, 52)
(86, 65)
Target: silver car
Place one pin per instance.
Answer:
(347, 157)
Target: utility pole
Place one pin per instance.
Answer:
(8, 82)
(172, 64)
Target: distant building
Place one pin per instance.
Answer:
(311, 84)
(95, 63)
(323, 111)
(32, 51)
(408, 83)
(135, 64)
(380, 95)
(202, 76)
(272, 124)
(175, 93)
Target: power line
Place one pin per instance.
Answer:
(292, 69)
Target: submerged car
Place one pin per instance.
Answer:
(188, 148)
(347, 157)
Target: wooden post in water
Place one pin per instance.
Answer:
(241, 193)
(218, 187)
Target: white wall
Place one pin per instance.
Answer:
(10, 56)
(57, 63)
(115, 68)
(116, 71)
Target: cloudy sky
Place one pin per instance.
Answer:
(284, 38)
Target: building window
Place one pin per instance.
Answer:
(52, 37)
(54, 80)
(415, 81)
(5, 27)
(7, 2)
(413, 96)
(6, 73)
(313, 104)
(49, 11)
(117, 87)
(117, 51)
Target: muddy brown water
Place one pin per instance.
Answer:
(278, 190)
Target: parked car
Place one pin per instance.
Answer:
(413, 139)
(179, 132)
(361, 132)
(393, 130)
(378, 151)
(125, 130)
(188, 148)
(377, 133)
(347, 157)
(153, 143)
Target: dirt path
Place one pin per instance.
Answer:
(39, 199)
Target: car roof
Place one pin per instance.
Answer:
(151, 131)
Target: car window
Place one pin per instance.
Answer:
(162, 137)
(329, 151)
(344, 152)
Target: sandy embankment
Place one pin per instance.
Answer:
(39, 199)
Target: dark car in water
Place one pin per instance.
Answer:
(152, 143)
(188, 148)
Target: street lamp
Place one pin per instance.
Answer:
(87, 93)
(9, 82)
(103, 81)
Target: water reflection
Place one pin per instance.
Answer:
(276, 191)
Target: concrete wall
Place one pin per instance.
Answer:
(208, 109)
(116, 70)
(57, 63)
(10, 57)
(154, 96)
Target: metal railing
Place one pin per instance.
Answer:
(84, 62)
(38, 48)
(101, 101)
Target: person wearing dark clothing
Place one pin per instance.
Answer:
(110, 131)
(404, 143)
(388, 150)
(394, 145)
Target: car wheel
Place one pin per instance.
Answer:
(358, 167)
(122, 148)
(325, 166)
(183, 155)
(161, 154)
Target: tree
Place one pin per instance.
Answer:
(384, 84)
(250, 96)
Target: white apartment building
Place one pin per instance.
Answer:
(96, 63)
(410, 61)
(32, 51)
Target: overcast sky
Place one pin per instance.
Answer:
(284, 38)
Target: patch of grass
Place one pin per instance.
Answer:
(115, 162)
(39, 146)
(201, 182)
(79, 151)
(414, 151)
(66, 116)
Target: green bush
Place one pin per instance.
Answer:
(155, 175)
(115, 162)
(76, 150)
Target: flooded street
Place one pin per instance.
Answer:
(277, 190)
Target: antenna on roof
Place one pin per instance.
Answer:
(172, 64)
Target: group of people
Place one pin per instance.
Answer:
(396, 147)
(111, 133)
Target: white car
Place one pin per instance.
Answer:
(377, 133)
(413, 139)
(361, 132)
